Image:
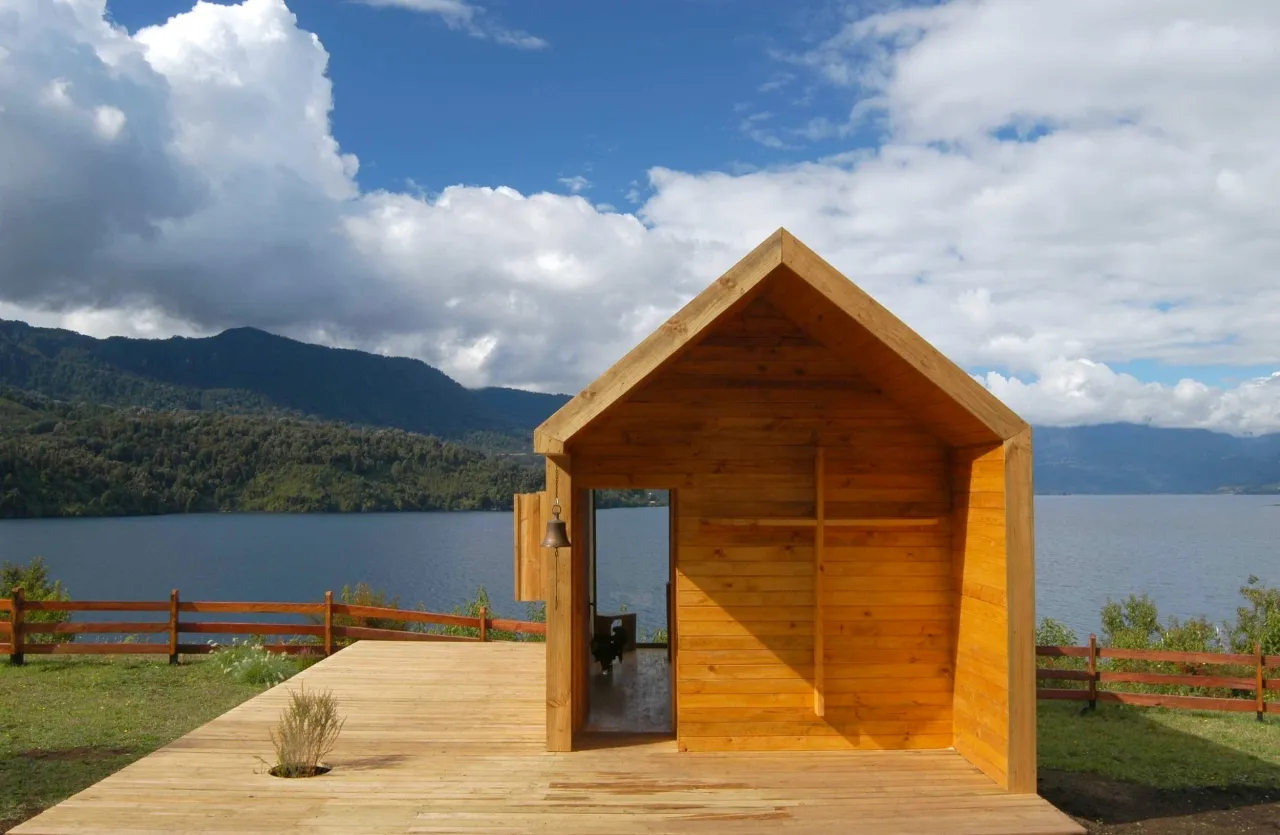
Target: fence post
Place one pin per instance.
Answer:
(1093, 672)
(328, 624)
(484, 623)
(173, 627)
(1258, 691)
(15, 626)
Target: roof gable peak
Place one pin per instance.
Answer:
(989, 420)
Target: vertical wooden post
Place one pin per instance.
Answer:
(328, 624)
(1093, 672)
(1020, 597)
(1258, 691)
(819, 569)
(173, 627)
(15, 622)
(565, 644)
(484, 623)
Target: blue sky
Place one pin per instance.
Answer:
(1074, 199)
(620, 88)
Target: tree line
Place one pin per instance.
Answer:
(72, 459)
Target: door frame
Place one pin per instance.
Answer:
(592, 591)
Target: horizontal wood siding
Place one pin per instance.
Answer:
(981, 707)
(734, 425)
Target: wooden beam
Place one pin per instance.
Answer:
(819, 566)
(837, 522)
(661, 347)
(560, 622)
(1021, 596)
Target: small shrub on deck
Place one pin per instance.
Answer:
(250, 662)
(308, 730)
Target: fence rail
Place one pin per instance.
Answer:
(367, 623)
(1191, 674)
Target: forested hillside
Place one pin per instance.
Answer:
(248, 370)
(270, 383)
(60, 459)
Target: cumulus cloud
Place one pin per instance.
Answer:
(1081, 392)
(1062, 186)
(576, 184)
(465, 17)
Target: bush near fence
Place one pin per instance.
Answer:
(1190, 664)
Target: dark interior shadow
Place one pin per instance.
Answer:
(1163, 750)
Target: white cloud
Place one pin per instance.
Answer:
(466, 17)
(753, 126)
(109, 121)
(776, 83)
(186, 179)
(576, 184)
(1070, 393)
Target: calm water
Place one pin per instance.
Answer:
(1191, 553)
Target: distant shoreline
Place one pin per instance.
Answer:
(508, 510)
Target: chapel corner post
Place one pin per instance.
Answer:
(560, 595)
(1021, 596)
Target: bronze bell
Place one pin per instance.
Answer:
(557, 532)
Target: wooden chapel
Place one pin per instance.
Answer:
(852, 535)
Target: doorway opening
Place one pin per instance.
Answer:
(631, 559)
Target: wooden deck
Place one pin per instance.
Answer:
(445, 737)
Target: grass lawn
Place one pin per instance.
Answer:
(66, 723)
(1164, 749)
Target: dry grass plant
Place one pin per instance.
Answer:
(307, 732)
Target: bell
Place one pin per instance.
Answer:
(557, 532)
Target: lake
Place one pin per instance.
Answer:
(1190, 553)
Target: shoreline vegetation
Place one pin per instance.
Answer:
(1134, 623)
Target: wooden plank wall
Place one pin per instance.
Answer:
(733, 425)
(982, 627)
(529, 530)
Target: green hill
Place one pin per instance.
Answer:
(63, 459)
(262, 379)
(246, 370)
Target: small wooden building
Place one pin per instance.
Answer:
(852, 544)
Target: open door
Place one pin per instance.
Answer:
(630, 558)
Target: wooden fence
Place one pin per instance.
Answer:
(323, 630)
(1195, 670)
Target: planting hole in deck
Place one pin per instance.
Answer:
(287, 773)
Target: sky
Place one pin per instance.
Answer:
(1077, 200)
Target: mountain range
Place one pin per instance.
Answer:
(251, 372)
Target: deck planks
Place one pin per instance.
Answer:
(451, 738)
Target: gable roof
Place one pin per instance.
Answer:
(835, 311)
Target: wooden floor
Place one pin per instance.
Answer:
(449, 738)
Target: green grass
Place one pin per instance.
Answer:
(1165, 749)
(66, 723)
